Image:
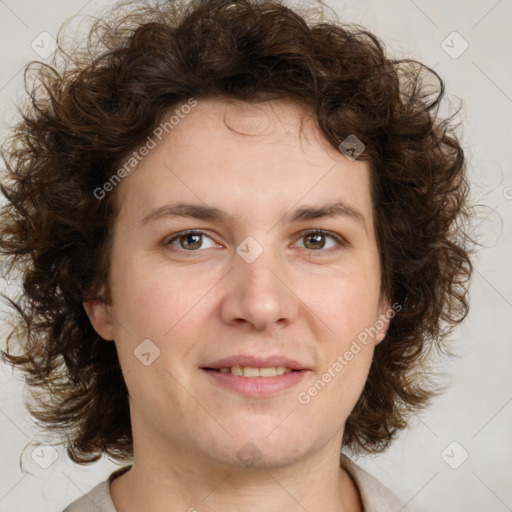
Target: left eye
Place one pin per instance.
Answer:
(316, 239)
(193, 240)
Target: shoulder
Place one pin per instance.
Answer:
(374, 495)
(97, 499)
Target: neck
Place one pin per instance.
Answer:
(180, 481)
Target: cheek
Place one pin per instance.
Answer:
(159, 304)
(147, 300)
(348, 307)
(347, 304)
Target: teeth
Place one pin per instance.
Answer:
(251, 372)
(248, 371)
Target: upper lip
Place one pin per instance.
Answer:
(256, 362)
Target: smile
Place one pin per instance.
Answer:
(249, 371)
(255, 382)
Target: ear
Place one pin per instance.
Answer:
(385, 314)
(99, 315)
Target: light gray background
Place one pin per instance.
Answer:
(476, 411)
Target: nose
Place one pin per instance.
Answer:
(260, 294)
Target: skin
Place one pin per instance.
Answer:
(303, 297)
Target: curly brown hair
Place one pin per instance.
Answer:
(92, 108)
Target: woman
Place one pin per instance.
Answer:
(241, 234)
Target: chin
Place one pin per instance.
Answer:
(265, 429)
(254, 455)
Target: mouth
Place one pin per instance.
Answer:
(254, 382)
(251, 371)
(255, 377)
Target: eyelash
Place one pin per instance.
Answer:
(310, 232)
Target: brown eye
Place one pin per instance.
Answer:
(317, 239)
(189, 241)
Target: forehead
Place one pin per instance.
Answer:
(281, 121)
(247, 157)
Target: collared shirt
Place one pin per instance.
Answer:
(375, 496)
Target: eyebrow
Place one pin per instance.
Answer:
(211, 213)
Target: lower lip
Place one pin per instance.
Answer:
(257, 386)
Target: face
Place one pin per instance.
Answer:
(269, 277)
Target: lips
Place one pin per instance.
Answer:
(254, 376)
(249, 361)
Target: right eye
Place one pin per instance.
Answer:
(190, 240)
